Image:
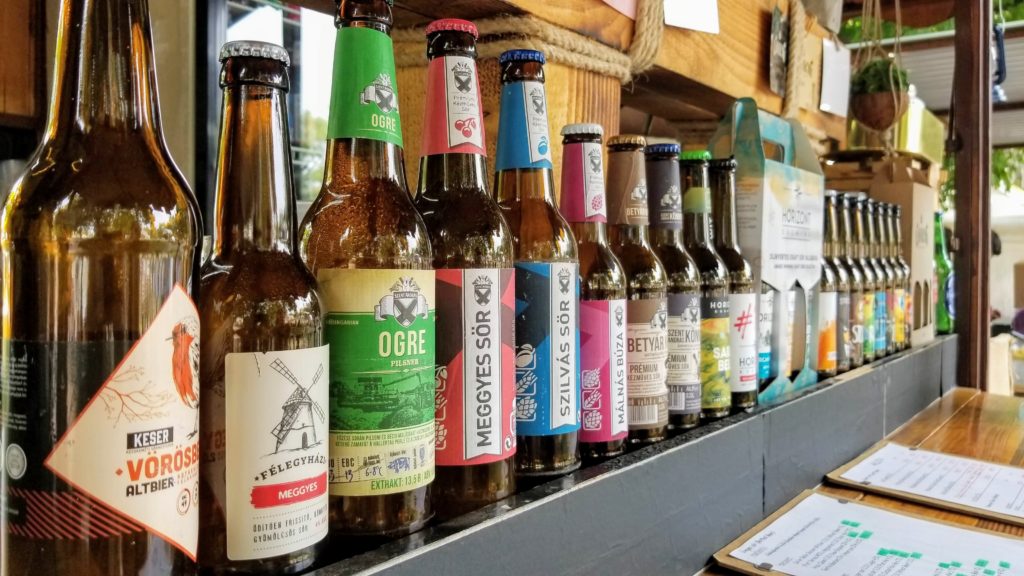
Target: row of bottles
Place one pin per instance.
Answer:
(390, 358)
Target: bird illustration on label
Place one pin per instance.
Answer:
(185, 366)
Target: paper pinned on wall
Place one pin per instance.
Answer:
(699, 15)
(835, 77)
(626, 7)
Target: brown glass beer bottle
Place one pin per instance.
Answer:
(475, 374)
(547, 275)
(847, 255)
(264, 367)
(370, 252)
(100, 378)
(604, 417)
(647, 305)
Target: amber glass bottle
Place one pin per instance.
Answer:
(370, 253)
(475, 375)
(262, 356)
(602, 295)
(698, 237)
(827, 309)
(906, 304)
(100, 339)
(847, 255)
(547, 275)
(665, 208)
(883, 280)
(647, 307)
(860, 241)
(832, 251)
(742, 298)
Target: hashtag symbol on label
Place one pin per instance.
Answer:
(742, 321)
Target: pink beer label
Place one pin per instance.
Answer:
(603, 370)
(583, 183)
(453, 123)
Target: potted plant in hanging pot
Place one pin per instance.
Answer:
(879, 94)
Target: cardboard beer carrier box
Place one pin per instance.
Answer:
(780, 196)
(908, 182)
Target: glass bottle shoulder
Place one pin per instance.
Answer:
(741, 276)
(602, 276)
(539, 232)
(466, 227)
(680, 268)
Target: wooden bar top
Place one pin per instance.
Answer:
(964, 422)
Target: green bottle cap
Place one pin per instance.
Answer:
(695, 155)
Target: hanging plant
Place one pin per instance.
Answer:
(879, 87)
(879, 93)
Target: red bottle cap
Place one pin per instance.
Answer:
(449, 24)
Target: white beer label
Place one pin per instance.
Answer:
(135, 446)
(462, 100)
(742, 343)
(536, 105)
(565, 411)
(276, 436)
(593, 180)
(481, 357)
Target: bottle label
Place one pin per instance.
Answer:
(666, 198)
(453, 123)
(627, 186)
(523, 127)
(131, 455)
(881, 321)
(828, 312)
(380, 326)
(275, 434)
(845, 343)
(714, 353)
(582, 167)
(899, 317)
(647, 354)
(869, 324)
(857, 307)
(475, 374)
(742, 343)
(697, 200)
(364, 96)
(684, 353)
(603, 370)
(765, 318)
(949, 291)
(547, 338)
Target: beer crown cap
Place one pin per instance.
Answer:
(254, 49)
(698, 155)
(667, 148)
(521, 55)
(582, 128)
(856, 196)
(830, 193)
(722, 163)
(627, 139)
(452, 25)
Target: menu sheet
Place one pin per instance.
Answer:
(825, 536)
(985, 486)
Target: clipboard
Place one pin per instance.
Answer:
(724, 559)
(836, 477)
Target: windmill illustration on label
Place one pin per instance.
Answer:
(301, 415)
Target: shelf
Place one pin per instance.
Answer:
(696, 76)
(668, 507)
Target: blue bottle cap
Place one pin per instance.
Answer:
(667, 148)
(521, 55)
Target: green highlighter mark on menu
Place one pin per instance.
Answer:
(1004, 565)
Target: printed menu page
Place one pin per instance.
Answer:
(982, 485)
(825, 536)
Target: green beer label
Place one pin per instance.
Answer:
(716, 392)
(380, 324)
(364, 97)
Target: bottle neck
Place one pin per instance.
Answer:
(697, 229)
(725, 211)
(897, 237)
(443, 174)
(593, 232)
(831, 236)
(666, 236)
(629, 234)
(859, 235)
(940, 237)
(104, 80)
(255, 203)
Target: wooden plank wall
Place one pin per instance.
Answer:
(21, 70)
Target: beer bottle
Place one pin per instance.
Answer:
(547, 275)
(742, 303)
(100, 378)
(475, 374)
(665, 207)
(716, 393)
(369, 250)
(906, 307)
(602, 295)
(834, 258)
(860, 240)
(647, 304)
(827, 324)
(848, 257)
(262, 356)
(945, 287)
(883, 280)
(892, 276)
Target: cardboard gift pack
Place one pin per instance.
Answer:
(779, 219)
